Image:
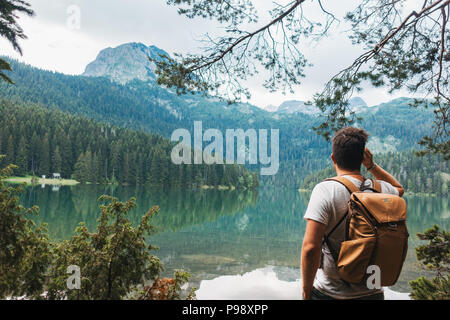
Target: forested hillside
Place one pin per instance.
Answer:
(97, 98)
(143, 105)
(42, 141)
(428, 174)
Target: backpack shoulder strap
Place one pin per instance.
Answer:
(351, 188)
(376, 185)
(344, 181)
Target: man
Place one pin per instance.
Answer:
(327, 205)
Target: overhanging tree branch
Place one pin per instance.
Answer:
(410, 54)
(402, 51)
(230, 59)
(10, 29)
(249, 36)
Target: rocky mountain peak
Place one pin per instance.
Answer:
(125, 63)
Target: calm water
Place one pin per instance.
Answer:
(243, 245)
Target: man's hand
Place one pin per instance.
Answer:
(368, 159)
(306, 295)
(379, 173)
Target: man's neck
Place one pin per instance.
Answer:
(355, 173)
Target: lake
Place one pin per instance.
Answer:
(236, 244)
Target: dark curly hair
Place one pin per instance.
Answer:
(348, 147)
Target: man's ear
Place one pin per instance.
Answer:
(333, 159)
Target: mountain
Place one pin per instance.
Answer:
(271, 108)
(130, 61)
(125, 63)
(295, 106)
(356, 104)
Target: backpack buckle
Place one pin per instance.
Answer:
(392, 225)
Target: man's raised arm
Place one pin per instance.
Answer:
(379, 173)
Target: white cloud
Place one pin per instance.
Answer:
(54, 47)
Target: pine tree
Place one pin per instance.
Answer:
(56, 161)
(22, 157)
(213, 181)
(155, 171)
(188, 175)
(10, 29)
(435, 256)
(10, 156)
(79, 169)
(96, 174)
(35, 149)
(89, 168)
(66, 155)
(125, 177)
(44, 164)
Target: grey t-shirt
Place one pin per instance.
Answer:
(327, 205)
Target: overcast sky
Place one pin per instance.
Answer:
(53, 45)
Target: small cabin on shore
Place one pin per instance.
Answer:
(56, 176)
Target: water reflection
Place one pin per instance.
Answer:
(213, 233)
(270, 283)
(63, 210)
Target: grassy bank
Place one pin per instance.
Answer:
(30, 181)
(218, 187)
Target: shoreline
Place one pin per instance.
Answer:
(28, 180)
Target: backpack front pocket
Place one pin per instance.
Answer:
(354, 258)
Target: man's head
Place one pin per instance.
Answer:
(348, 148)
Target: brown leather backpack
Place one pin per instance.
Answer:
(375, 234)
